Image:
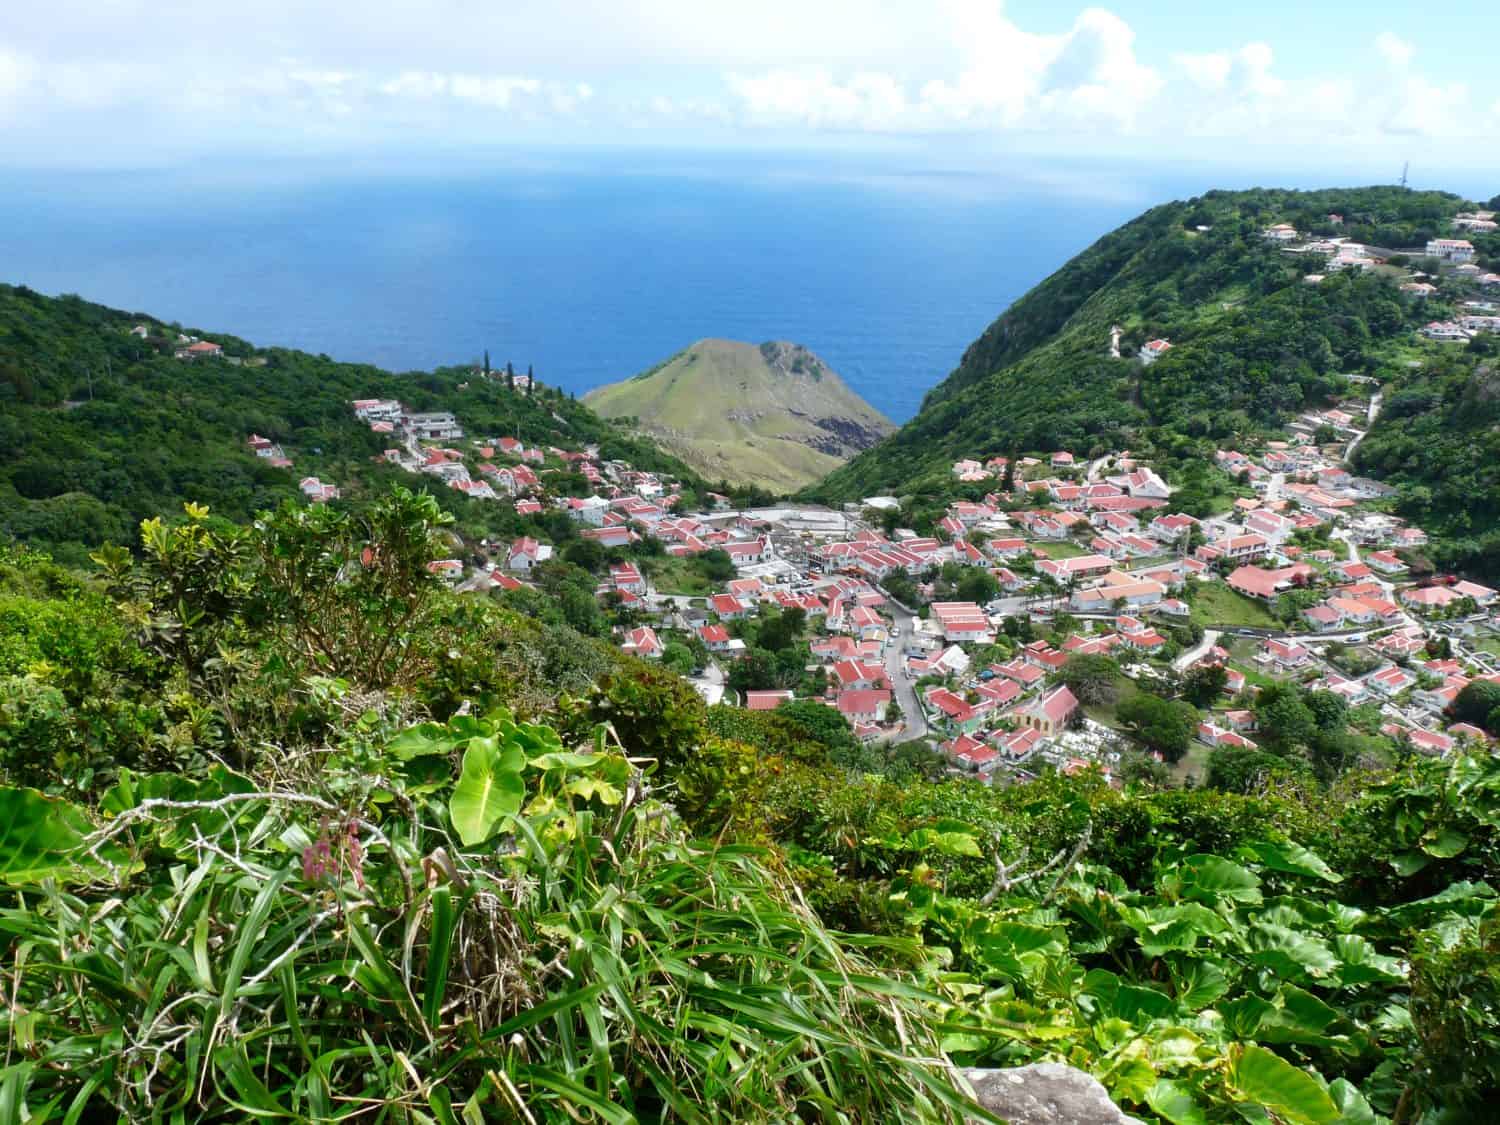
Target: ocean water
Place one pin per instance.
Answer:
(590, 271)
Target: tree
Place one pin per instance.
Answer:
(1164, 725)
(1144, 769)
(677, 657)
(1204, 683)
(715, 565)
(976, 584)
(1476, 704)
(1242, 769)
(510, 375)
(1091, 677)
(486, 363)
(754, 671)
(1284, 720)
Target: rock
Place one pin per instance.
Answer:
(1045, 1094)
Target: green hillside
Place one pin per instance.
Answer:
(100, 428)
(1252, 344)
(773, 415)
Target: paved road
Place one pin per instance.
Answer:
(895, 669)
(1370, 415)
(710, 685)
(1197, 652)
(1274, 486)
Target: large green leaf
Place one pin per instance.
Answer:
(1353, 1108)
(1361, 963)
(1446, 843)
(1290, 953)
(1199, 984)
(1213, 877)
(1264, 1078)
(489, 788)
(42, 838)
(1173, 1102)
(1294, 859)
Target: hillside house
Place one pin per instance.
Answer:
(1451, 250)
(433, 426)
(1153, 350)
(766, 700)
(643, 642)
(526, 553)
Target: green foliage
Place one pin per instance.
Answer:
(102, 430)
(370, 958)
(1164, 725)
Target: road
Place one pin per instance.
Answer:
(1370, 416)
(1196, 653)
(710, 685)
(1274, 487)
(895, 670)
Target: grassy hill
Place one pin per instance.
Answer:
(1252, 344)
(773, 415)
(100, 428)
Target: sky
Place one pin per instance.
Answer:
(129, 83)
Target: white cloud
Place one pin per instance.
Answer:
(1394, 49)
(389, 70)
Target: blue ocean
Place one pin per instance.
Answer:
(588, 270)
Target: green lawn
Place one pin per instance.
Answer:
(673, 575)
(1062, 549)
(1489, 644)
(1216, 604)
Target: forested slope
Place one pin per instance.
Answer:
(1249, 341)
(100, 429)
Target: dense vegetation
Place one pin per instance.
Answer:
(100, 429)
(310, 837)
(1251, 345)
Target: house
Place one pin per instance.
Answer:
(318, 492)
(1052, 713)
(525, 553)
(627, 576)
(1391, 681)
(436, 426)
(1445, 331)
(1420, 290)
(714, 637)
(968, 753)
(1216, 736)
(744, 553)
(728, 607)
(203, 349)
(589, 510)
(1170, 529)
(1483, 596)
(1266, 585)
(643, 642)
(1429, 599)
(1387, 562)
(1153, 350)
(1067, 571)
(1281, 232)
(962, 622)
(852, 675)
(1286, 654)
(1017, 745)
(766, 700)
(863, 706)
(956, 713)
(1452, 250)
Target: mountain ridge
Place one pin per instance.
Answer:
(773, 414)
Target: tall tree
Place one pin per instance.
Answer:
(510, 375)
(486, 363)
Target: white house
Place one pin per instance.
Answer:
(1451, 250)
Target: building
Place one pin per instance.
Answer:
(766, 700)
(526, 552)
(643, 642)
(1452, 250)
(1153, 350)
(435, 426)
(1052, 713)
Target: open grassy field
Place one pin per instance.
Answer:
(1062, 549)
(1216, 604)
(672, 575)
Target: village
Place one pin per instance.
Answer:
(965, 637)
(967, 634)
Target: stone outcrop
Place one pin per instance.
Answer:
(1045, 1094)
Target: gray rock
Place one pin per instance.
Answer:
(1045, 1094)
